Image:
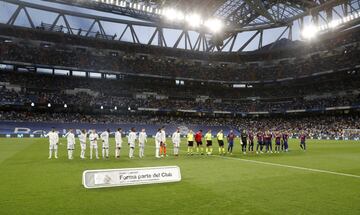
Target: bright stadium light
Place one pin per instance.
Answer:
(172, 14)
(102, 107)
(309, 32)
(65, 105)
(32, 104)
(334, 23)
(194, 20)
(214, 25)
(49, 105)
(115, 108)
(179, 16)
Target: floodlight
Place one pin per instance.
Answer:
(214, 25)
(169, 13)
(102, 107)
(334, 23)
(309, 32)
(32, 104)
(115, 108)
(65, 105)
(49, 105)
(172, 14)
(194, 20)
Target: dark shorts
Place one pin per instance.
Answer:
(231, 143)
(244, 141)
(302, 143)
(251, 143)
(199, 143)
(190, 143)
(277, 143)
(260, 142)
(221, 142)
(209, 143)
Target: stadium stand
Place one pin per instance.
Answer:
(96, 81)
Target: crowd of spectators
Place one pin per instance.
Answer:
(43, 89)
(323, 126)
(86, 101)
(346, 57)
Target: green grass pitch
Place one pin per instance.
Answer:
(32, 184)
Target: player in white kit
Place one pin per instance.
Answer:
(142, 141)
(82, 139)
(105, 143)
(176, 141)
(70, 137)
(53, 142)
(93, 137)
(157, 143)
(131, 141)
(118, 142)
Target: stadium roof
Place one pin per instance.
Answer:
(246, 23)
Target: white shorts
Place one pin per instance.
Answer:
(71, 146)
(176, 144)
(157, 144)
(93, 146)
(83, 146)
(142, 145)
(105, 146)
(53, 146)
(118, 145)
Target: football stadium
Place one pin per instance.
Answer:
(179, 107)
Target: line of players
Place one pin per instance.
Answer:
(141, 138)
(247, 139)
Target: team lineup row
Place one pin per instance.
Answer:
(247, 139)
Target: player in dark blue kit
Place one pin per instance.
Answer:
(268, 142)
(230, 138)
(260, 142)
(243, 141)
(251, 141)
(302, 141)
(285, 144)
(277, 142)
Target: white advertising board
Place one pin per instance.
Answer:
(130, 176)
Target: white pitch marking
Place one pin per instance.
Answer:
(283, 165)
(293, 167)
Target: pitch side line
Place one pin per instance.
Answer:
(288, 166)
(281, 165)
